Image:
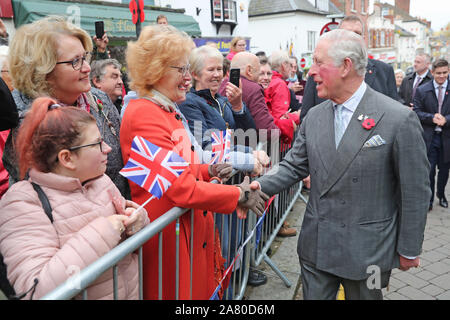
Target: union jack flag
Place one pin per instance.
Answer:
(221, 146)
(151, 167)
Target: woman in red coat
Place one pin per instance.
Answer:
(159, 71)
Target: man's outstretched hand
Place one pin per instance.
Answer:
(406, 264)
(251, 197)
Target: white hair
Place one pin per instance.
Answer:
(347, 44)
(200, 54)
(277, 58)
(399, 71)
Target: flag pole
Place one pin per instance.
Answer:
(143, 205)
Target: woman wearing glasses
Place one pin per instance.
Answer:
(50, 57)
(207, 111)
(161, 84)
(63, 151)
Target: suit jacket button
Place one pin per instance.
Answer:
(192, 148)
(204, 245)
(355, 179)
(343, 225)
(205, 213)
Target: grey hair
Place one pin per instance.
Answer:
(353, 18)
(98, 68)
(198, 57)
(425, 55)
(347, 44)
(277, 58)
(399, 71)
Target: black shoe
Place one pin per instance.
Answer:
(443, 202)
(256, 278)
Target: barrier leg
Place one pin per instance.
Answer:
(277, 271)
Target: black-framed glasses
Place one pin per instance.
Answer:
(78, 62)
(100, 143)
(183, 70)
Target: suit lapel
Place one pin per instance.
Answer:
(353, 140)
(326, 137)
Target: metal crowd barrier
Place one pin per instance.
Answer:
(233, 232)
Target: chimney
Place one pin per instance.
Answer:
(403, 4)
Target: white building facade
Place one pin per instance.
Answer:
(292, 25)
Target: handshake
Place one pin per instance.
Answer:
(251, 197)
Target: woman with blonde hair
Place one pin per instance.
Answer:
(63, 152)
(238, 44)
(50, 57)
(155, 116)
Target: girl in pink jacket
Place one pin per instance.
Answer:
(62, 150)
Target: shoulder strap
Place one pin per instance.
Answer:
(44, 200)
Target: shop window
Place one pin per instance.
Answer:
(224, 12)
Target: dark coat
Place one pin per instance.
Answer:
(426, 105)
(9, 117)
(213, 113)
(406, 88)
(379, 76)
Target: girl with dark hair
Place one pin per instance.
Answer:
(61, 150)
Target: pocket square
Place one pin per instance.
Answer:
(375, 141)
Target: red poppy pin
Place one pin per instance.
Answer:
(368, 123)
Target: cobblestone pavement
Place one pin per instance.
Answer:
(430, 281)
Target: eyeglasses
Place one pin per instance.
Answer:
(100, 143)
(183, 70)
(78, 62)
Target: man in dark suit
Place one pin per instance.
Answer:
(369, 195)
(411, 82)
(432, 105)
(379, 75)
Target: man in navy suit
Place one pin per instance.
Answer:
(416, 79)
(379, 75)
(432, 105)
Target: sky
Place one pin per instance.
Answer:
(436, 11)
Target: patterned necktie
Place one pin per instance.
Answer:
(415, 87)
(440, 99)
(339, 127)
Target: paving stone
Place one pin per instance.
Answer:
(438, 268)
(432, 290)
(414, 294)
(396, 296)
(442, 281)
(442, 229)
(443, 250)
(444, 296)
(426, 275)
(431, 245)
(395, 284)
(411, 280)
(433, 256)
(445, 237)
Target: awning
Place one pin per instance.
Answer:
(117, 17)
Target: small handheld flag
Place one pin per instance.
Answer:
(221, 146)
(151, 167)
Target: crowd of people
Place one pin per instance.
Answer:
(70, 113)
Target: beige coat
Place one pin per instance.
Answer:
(34, 248)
